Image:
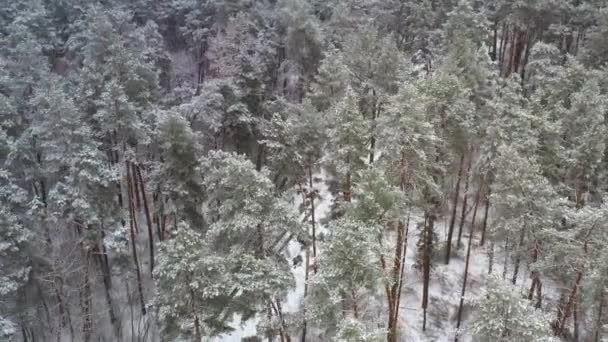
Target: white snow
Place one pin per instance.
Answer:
(446, 281)
(295, 297)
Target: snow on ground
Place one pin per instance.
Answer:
(294, 298)
(445, 288)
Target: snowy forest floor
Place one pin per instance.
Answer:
(445, 284)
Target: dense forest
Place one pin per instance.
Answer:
(303, 170)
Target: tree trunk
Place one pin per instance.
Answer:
(506, 259)
(454, 210)
(522, 236)
(524, 63)
(132, 223)
(142, 187)
(565, 307)
(312, 194)
(536, 286)
(428, 245)
(466, 265)
(85, 301)
(306, 272)
(158, 201)
(491, 258)
(598, 322)
(494, 40)
(136, 186)
(63, 306)
(397, 300)
(106, 276)
(503, 45)
(485, 217)
(372, 143)
(575, 318)
(464, 203)
(512, 48)
(396, 273)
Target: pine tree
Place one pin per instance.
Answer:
(505, 316)
(247, 230)
(15, 258)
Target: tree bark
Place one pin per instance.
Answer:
(428, 245)
(598, 322)
(132, 223)
(85, 301)
(506, 259)
(106, 276)
(306, 273)
(464, 203)
(536, 286)
(454, 210)
(136, 186)
(142, 187)
(396, 273)
(565, 307)
(485, 217)
(522, 237)
(312, 194)
(575, 318)
(466, 265)
(397, 300)
(491, 258)
(494, 40)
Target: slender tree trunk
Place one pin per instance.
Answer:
(536, 287)
(201, 67)
(396, 272)
(575, 317)
(136, 186)
(158, 201)
(87, 322)
(312, 194)
(522, 236)
(491, 258)
(197, 328)
(394, 326)
(503, 45)
(526, 57)
(598, 322)
(494, 40)
(485, 217)
(164, 226)
(466, 265)
(284, 335)
(314, 245)
(565, 307)
(373, 127)
(133, 244)
(106, 276)
(428, 245)
(519, 48)
(142, 187)
(58, 287)
(355, 304)
(403, 260)
(306, 273)
(512, 49)
(454, 210)
(506, 259)
(347, 191)
(464, 203)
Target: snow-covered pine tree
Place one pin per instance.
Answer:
(247, 230)
(504, 315)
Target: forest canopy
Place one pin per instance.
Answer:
(312, 170)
